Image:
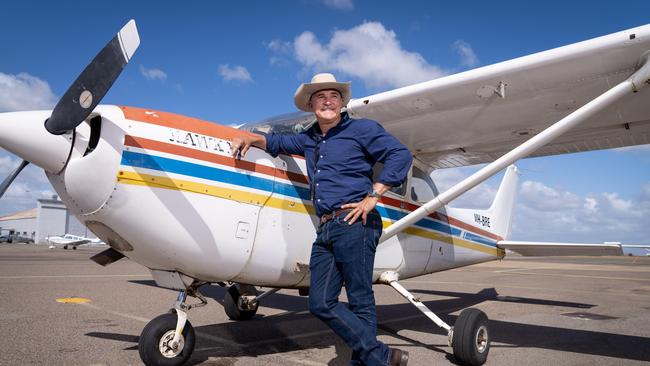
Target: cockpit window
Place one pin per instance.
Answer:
(286, 123)
(422, 188)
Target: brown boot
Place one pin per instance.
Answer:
(398, 357)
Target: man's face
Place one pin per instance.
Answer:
(326, 104)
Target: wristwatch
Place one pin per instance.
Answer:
(374, 194)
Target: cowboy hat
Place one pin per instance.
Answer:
(320, 82)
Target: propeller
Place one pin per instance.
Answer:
(7, 182)
(89, 88)
(93, 83)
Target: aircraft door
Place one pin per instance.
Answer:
(436, 226)
(286, 229)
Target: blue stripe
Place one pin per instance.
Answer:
(246, 180)
(201, 171)
(479, 239)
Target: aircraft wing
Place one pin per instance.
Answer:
(542, 249)
(479, 115)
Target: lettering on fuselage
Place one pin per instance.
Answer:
(202, 142)
(482, 220)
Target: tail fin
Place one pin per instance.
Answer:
(503, 205)
(498, 218)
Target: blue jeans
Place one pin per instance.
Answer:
(341, 254)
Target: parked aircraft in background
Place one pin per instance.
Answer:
(163, 190)
(72, 241)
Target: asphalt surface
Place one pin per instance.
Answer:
(564, 311)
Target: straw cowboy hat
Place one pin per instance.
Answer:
(320, 82)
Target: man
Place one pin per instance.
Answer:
(340, 153)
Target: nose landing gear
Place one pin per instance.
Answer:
(169, 339)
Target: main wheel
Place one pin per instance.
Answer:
(154, 345)
(233, 305)
(471, 338)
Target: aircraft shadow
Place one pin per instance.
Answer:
(296, 329)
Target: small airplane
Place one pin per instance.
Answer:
(163, 190)
(72, 241)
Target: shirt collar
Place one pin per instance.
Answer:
(345, 120)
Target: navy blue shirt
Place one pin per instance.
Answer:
(339, 164)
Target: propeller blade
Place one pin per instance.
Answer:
(93, 83)
(7, 182)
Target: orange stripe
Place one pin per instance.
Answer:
(182, 123)
(144, 143)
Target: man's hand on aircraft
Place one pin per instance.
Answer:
(241, 144)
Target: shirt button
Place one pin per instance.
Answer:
(317, 184)
(318, 200)
(321, 156)
(323, 141)
(318, 171)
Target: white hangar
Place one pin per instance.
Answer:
(49, 218)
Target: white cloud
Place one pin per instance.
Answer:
(237, 73)
(152, 74)
(339, 4)
(281, 52)
(279, 46)
(480, 197)
(544, 198)
(24, 92)
(467, 55)
(369, 52)
(7, 165)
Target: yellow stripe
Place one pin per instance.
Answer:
(135, 178)
(449, 239)
(138, 179)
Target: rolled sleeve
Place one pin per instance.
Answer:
(386, 149)
(284, 144)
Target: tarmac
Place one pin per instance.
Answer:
(559, 311)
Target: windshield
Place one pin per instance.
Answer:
(286, 123)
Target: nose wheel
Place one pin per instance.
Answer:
(157, 345)
(168, 339)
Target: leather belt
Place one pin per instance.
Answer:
(328, 216)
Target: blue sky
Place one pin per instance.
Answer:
(234, 62)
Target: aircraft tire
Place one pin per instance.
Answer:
(471, 340)
(153, 341)
(230, 305)
(65, 247)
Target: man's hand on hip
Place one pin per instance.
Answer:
(360, 209)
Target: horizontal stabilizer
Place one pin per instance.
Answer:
(541, 249)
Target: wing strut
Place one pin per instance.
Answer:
(633, 84)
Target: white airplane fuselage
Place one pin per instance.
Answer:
(163, 190)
